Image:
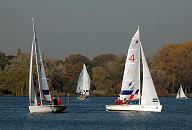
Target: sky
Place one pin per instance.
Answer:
(93, 27)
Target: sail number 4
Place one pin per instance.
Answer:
(132, 58)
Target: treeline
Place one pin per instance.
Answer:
(170, 67)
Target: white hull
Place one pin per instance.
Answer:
(40, 109)
(81, 98)
(181, 98)
(126, 107)
(47, 108)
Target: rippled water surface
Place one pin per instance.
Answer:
(90, 114)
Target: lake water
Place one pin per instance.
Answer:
(91, 115)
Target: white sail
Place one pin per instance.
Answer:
(83, 86)
(86, 81)
(32, 95)
(42, 80)
(131, 78)
(149, 95)
(80, 83)
(180, 93)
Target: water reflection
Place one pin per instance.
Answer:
(134, 114)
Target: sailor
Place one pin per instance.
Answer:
(55, 101)
(124, 101)
(39, 103)
(58, 101)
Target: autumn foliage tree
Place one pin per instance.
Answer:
(73, 66)
(170, 67)
(101, 81)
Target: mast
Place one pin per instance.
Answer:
(31, 85)
(139, 60)
(35, 42)
(43, 85)
(180, 91)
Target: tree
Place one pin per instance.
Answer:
(17, 74)
(172, 66)
(3, 60)
(114, 65)
(101, 81)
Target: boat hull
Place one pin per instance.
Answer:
(81, 98)
(181, 98)
(127, 107)
(59, 108)
(47, 108)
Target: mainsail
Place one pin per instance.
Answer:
(149, 95)
(180, 93)
(83, 86)
(130, 88)
(42, 80)
(80, 83)
(32, 94)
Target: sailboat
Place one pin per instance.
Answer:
(181, 94)
(46, 102)
(131, 98)
(83, 86)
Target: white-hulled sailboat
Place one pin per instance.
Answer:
(181, 94)
(83, 86)
(46, 102)
(131, 98)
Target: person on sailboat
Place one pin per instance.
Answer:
(125, 101)
(118, 101)
(39, 103)
(55, 101)
(84, 92)
(58, 101)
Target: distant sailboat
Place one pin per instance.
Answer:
(131, 98)
(46, 102)
(83, 86)
(181, 94)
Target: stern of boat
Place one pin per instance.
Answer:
(59, 108)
